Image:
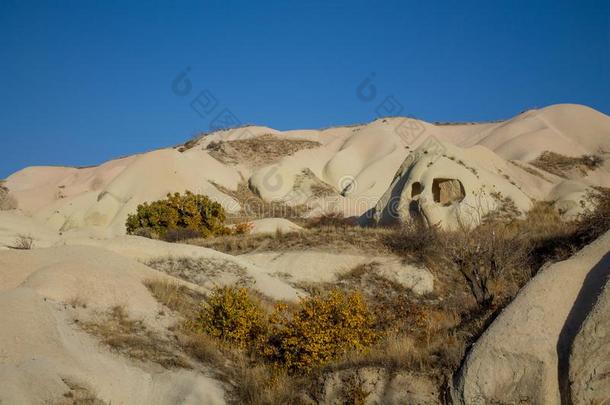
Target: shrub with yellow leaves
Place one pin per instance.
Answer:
(243, 228)
(319, 330)
(230, 314)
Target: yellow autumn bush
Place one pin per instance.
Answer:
(232, 316)
(320, 329)
(316, 331)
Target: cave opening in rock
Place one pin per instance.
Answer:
(447, 191)
(416, 189)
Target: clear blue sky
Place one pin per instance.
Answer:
(85, 81)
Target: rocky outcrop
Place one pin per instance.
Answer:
(590, 356)
(523, 356)
(443, 184)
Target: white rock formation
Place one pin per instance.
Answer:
(443, 185)
(43, 351)
(590, 355)
(523, 355)
(349, 172)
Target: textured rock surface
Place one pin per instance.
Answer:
(446, 185)
(447, 191)
(523, 355)
(590, 357)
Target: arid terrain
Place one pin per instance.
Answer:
(393, 262)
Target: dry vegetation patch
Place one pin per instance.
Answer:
(131, 338)
(346, 239)
(258, 151)
(22, 242)
(202, 271)
(78, 394)
(254, 207)
(176, 297)
(561, 165)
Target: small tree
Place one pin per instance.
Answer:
(483, 255)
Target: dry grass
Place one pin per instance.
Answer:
(561, 165)
(258, 384)
(202, 271)
(78, 394)
(595, 221)
(254, 207)
(176, 297)
(131, 338)
(327, 238)
(22, 242)
(258, 151)
(330, 220)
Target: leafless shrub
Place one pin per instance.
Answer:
(595, 220)
(414, 240)
(23, 242)
(333, 239)
(483, 255)
(505, 211)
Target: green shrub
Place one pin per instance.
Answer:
(190, 211)
(231, 315)
(319, 330)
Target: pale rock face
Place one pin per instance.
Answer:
(438, 184)
(523, 356)
(590, 357)
(42, 348)
(349, 172)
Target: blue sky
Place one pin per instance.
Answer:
(86, 81)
